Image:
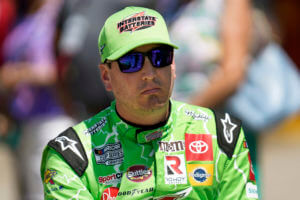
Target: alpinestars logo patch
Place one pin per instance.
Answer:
(136, 22)
(67, 143)
(228, 128)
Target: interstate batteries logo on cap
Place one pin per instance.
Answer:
(136, 22)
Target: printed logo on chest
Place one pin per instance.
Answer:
(110, 193)
(200, 174)
(110, 179)
(197, 115)
(175, 170)
(96, 127)
(198, 147)
(138, 173)
(110, 154)
(173, 146)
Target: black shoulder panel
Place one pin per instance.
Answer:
(70, 147)
(228, 130)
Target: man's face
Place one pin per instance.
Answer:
(144, 91)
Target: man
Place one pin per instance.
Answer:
(146, 146)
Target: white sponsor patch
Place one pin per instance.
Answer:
(173, 146)
(175, 170)
(110, 154)
(251, 190)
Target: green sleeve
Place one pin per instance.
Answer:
(238, 181)
(59, 179)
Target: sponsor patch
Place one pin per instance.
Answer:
(96, 127)
(198, 147)
(174, 146)
(228, 128)
(138, 173)
(67, 143)
(251, 190)
(175, 170)
(48, 178)
(251, 171)
(153, 136)
(69, 146)
(48, 175)
(134, 192)
(197, 116)
(136, 22)
(110, 179)
(110, 154)
(200, 174)
(110, 193)
(228, 131)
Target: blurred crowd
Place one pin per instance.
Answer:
(237, 56)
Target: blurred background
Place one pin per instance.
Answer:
(237, 56)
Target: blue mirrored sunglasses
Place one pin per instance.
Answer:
(159, 57)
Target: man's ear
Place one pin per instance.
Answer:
(105, 76)
(173, 68)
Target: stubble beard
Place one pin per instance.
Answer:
(154, 102)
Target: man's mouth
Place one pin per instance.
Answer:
(150, 91)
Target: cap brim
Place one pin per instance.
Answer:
(122, 51)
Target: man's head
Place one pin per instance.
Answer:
(130, 28)
(137, 60)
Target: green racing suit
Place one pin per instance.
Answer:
(196, 153)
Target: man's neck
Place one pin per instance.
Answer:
(144, 118)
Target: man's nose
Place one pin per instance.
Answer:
(148, 71)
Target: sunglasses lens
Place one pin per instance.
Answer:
(131, 62)
(162, 57)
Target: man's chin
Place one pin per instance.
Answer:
(154, 102)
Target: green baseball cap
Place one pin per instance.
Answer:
(129, 28)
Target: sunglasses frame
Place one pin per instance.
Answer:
(148, 54)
